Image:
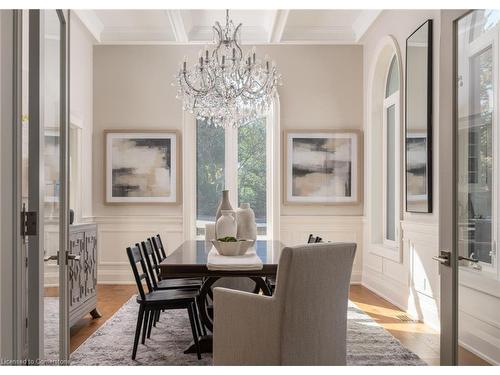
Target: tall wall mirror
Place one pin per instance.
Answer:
(418, 141)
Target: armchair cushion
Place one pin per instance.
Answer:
(246, 328)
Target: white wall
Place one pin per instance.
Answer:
(132, 90)
(413, 282)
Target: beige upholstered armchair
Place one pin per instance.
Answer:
(303, 323)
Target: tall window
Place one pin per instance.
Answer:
(391, 154)
(232, 159)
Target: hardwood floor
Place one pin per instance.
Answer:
(109, 300)
(416, 336)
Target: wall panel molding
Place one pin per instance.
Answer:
(295, 230)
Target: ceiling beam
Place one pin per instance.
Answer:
(363, 22)
(178, 27)
(278, 26)
(91, 21)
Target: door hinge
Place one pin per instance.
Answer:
(28, 222)
(26, 322)
(26, 262)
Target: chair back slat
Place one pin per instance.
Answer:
(161, 248)
(151, 262)
(135, 257)
(156, 248)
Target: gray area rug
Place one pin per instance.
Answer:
(367, 342)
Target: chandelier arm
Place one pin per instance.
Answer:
(218, 30)
(198, 92)
(210, 85)
(261, 87)
(236, 40)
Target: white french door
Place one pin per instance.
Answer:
(44, 195)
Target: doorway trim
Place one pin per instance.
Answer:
(11, 258)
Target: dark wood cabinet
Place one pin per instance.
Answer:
(82, 272)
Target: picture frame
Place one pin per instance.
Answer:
(322, 167)
(142, 167)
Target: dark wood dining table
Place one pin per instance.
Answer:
(190, 260)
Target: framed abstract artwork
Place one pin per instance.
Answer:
(322, 167)
(142, 166)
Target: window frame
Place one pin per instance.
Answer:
(392, 100)
(231, 172)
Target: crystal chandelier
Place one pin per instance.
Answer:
(226, 88)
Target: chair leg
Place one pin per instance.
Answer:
(145, 327)
(157, 317)
(152, 317)
(140, 317)
(192, 316)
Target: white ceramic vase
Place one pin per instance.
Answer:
(226, 225)
(245, 218)
(224, 204)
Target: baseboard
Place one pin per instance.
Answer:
(484, 357)
(371, 285)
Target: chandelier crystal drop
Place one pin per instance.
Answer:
(225, 87)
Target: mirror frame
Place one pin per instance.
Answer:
(428, 24)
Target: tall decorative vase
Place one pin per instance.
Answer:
(226, 224)
(223, 205)
(245, 218)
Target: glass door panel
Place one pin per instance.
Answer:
(477, 186)
(51, 135)
(46, 190)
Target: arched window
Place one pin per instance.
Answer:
(391, 156)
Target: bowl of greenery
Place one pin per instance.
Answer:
(230, 246)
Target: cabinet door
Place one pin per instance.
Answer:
(75, 269)
(89, 280)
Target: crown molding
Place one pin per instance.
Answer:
(363, 22)
(120, 35)
(318, 34)
(91, 21)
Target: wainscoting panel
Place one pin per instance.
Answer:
(479, 321)
(115, 233)
(296, 229)
(413, 284)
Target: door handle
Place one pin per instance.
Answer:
(443, 258)
(469, 259)
(74, 257)
(52, 257)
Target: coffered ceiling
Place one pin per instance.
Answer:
(259, 26)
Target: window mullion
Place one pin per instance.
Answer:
(231, 165)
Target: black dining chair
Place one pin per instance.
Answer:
(160, 253)
(158, 247)
(156, 300)
(153, 265)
